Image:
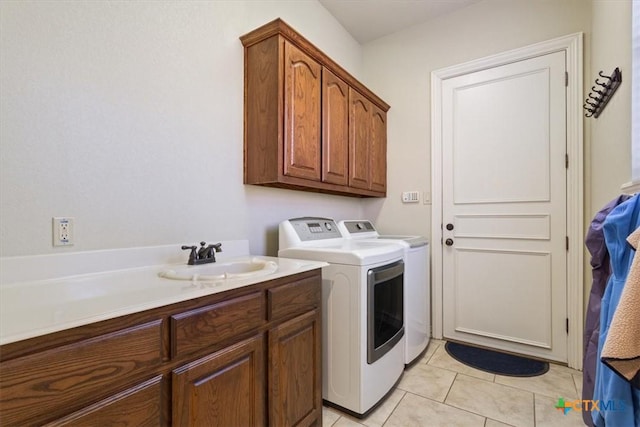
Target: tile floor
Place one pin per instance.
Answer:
(440, 391)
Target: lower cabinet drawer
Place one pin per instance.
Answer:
(203, 327)
(137, 406)
(294, 298)
(73, 376)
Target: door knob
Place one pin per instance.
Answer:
(448, 242)
(449, 227)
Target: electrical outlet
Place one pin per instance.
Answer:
(63, 231)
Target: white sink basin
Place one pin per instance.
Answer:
(221, 271)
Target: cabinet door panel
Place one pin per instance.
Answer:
(335, 129)
(378, 177)
(359, 134)
(225, 388)
(301, 114)
(138, 406)
(296, 377)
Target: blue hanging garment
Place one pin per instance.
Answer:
(600, 271)
(619, 401)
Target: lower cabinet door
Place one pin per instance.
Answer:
(225, 388)
(140, 405)
(295, 363)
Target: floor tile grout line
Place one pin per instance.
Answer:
(431, 355)
(475, 413)
(542, 393)
(463, 373)
(450, 406)
(394, 408)
(524, 389)
(482, 415)
(450, 387)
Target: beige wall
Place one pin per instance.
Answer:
(608, 156)
(128, 117)
(399, 66)
(609, 159)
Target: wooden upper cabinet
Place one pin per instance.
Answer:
(335, 129)
(300, 125)
(367, 144)
(378, 153)
(359, 139)
(301, 114)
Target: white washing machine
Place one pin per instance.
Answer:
(417, 297)
(362, 311)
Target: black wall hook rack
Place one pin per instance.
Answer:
(594, 104)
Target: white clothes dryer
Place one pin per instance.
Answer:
(362, 311)
(417, 292)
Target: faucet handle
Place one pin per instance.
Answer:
(217, 247)
(193, 255)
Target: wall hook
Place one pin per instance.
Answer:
(604, 75)
(609, 86)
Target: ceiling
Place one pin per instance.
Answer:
(368, 20)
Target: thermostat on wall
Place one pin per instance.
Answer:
(410, 197)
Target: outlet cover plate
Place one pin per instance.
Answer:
(63, 231)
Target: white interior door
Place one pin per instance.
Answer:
(504, 207)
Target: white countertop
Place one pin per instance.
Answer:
(37, 307)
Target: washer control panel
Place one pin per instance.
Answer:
(310, 228)
(355, 227)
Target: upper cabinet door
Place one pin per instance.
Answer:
(378, 171)
(335, 129)
(302, 85)
(359, 134)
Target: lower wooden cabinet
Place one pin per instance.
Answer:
(178, 365)
(225, 388)
(140, 405)
(295, 386)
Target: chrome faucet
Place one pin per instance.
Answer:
(204, 255)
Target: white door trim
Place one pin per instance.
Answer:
(572, 46)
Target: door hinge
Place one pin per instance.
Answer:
(567, 325)
(566, 161)
(567, 241)
(566, 79)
